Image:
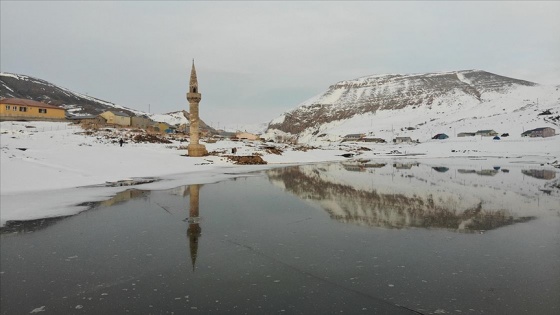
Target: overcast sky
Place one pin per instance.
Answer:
(256, 60)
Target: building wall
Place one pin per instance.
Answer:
(401, 140)
(31, 112)
(122, 121)
(490, 133)
(246, 135)
(113, 119)
(160, 127)
(109, 116)
(140, 122)
(548, 132)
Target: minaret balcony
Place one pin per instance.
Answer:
(194, 97)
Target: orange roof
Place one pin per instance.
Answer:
(26, 102)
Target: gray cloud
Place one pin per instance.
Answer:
(258, 59)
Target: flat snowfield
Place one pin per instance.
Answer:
(48, 169)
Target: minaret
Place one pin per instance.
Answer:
(193, 96)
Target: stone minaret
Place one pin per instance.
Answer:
(194, 97)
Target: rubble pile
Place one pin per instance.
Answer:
(246, 160)
(151, 138)
(272, 150)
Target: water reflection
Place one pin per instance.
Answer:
(413, 199)
(29, 225)
(26, 226)
(194, 231)
(122, 197)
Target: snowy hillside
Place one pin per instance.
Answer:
(420, 106)
(27, 87)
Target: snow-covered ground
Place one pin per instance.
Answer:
(48, 169)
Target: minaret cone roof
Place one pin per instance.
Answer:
(194, 81)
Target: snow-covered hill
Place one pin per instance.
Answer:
(27, 87)
(420, 106)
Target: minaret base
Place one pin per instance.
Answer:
(196, 150)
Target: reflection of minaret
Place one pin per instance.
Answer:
(193, 96)
(194, 230)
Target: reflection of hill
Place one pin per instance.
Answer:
(34, 225)
(29, 226)
(345, 203)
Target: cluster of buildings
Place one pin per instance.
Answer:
(538, 132)
(25, 109)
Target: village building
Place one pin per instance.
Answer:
(369, 139)
(24, 109)
(183, 128)
(160, 126)
(116, 118)
(542, 174)
(353, 137)
(404, 166)
(354, 167)
(539, 132)
(440, 136)
(403, 140)
(486, 133)
(142, 122)
(466, 134)
(242, 135)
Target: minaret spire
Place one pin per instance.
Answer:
(193, 85)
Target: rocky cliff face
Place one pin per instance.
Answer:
(367, 95)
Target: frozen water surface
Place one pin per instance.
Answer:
(361, 237)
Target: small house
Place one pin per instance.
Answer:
(440, 136)
(183, 128)
(539, 132)
(246, 135)
(542, 174)
(403, 140)
(466, 134)
(116, 118)
(353, 137)
(486, 133)
(161, 127)
(369, 139)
